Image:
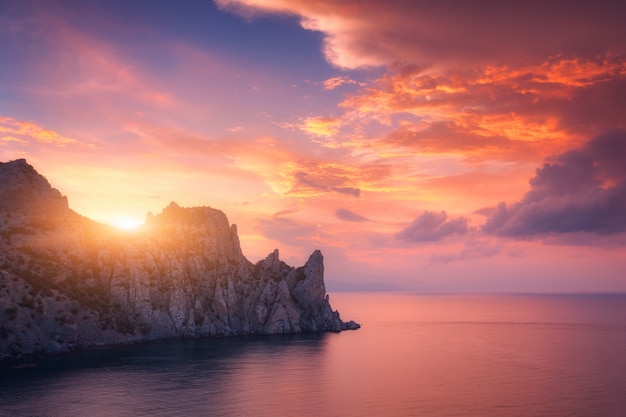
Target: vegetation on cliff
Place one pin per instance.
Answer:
(67, 282)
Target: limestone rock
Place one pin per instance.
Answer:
(67, 282)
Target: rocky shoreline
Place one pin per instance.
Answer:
(68, 283)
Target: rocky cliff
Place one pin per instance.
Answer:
(67, 282)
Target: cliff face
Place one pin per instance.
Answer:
(67, 282)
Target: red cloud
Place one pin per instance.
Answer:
(500, 111)
(443, 34)
(487, 78)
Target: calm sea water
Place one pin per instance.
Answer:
(416, 355)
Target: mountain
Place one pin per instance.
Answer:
(67, 282)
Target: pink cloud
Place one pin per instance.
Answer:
(286, 231)
(323, 180)
(335, 82)
(431, 227)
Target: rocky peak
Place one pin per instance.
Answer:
(206, 227)
(272, 262)
(196, 216)
(67, 282)
(309, 288)
(23, 189)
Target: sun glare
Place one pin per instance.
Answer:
(127, 223)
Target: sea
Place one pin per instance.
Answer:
(415, 355)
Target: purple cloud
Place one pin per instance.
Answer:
(431, 226)
(355, 192)
(304, 179)
(582, 190)
(350, 216)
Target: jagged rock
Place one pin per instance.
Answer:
(67, 282)
(351, 325)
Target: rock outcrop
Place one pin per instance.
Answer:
(67, 282)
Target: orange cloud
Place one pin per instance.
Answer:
(332, 83)
(24, 132)
(507, 91)
(498, 111)
(4, 140)
(321, 126)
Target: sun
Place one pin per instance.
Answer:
(127, 223)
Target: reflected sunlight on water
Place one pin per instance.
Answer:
(427, 355)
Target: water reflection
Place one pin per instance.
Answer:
(197, 376)
(489, 356)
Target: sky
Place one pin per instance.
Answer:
(422, 145)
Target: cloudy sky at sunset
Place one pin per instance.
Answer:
(421, 145)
